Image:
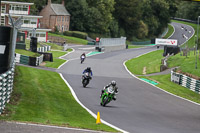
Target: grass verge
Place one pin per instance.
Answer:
(134, 46)
(26, 52)
(170, 31)
(186, 65)
(41, 96)
(56, 61)
(70, 39)
(167, 85)
(151, 61)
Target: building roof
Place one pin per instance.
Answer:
(59, 9)
(18, 3)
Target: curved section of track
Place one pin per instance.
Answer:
(140, 107)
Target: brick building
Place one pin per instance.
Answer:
(55, 15)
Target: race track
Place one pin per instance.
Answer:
(140, 107)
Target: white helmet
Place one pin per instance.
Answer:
(113, 83)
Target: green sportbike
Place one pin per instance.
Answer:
(107, 96)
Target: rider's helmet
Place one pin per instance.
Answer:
(113, 83)
(89, 68)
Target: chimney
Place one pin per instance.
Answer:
(49, 2)
(63, 2)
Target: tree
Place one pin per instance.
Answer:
(156, 15)
(128, 13)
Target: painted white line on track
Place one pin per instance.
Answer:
(40, 125)
(94, 115)
(65, 59)
(154, 85)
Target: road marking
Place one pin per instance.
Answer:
(65, 59)
(94, 115)
(2, 49)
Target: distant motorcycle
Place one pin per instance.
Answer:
(107, 96)
(82, 59)
(86, 79)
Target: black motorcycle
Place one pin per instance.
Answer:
(86, 79)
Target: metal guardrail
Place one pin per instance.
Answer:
(6, 87)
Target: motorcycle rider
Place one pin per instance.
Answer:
(83, 56)
(89, 71)
(113, 84)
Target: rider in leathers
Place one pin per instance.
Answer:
(113, 84)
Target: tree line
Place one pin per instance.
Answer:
(131, 18)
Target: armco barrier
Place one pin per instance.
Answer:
(186, 81)
(6, 87)
(26, 60)
(44, 49)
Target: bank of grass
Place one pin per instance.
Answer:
(134, 46)
(167, 85)
(26, 52)
(41, 96)
(56, 61)
(186, 64)
(151, 61)
(170, 31)
(70, 39)
(191, 42)
(54, 46)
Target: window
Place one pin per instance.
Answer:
(42, 35)
(26, 21)
(63, 18)
(2, 20)
(3, 9)
(37, 34)
(19, 7)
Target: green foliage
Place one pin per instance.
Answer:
(128, 14)
(188, 10)
(142, 30)
(156, 15)
(77, 34)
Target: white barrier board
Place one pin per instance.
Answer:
(171, 42)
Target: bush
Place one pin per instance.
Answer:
(77, 34)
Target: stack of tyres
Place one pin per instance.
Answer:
(5, 48)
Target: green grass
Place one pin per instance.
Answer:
(134, 46)
(56, 61)
(191, 42)
(70, 39)
(151, 61)
(41, 96)
(54, 46)
(26, 52)
(170, 31)
(185, 64)
(167, 85)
